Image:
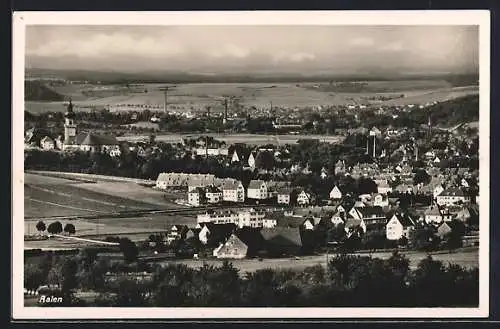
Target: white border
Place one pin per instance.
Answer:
(437, 17)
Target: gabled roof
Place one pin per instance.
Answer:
(405, 219)
(95, 140)
(282, 236)
(352, 222)
(255, 184)
(251, 236)
(371, 211)
(432, 211)
(452, 191)
(294, 222)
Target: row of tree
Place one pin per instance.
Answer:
(347, 281)
(56, 227)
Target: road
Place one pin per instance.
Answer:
(466, 258)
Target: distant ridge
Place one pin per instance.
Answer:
(116, 77)
(36, 91)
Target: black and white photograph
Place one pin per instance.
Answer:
(251, 164)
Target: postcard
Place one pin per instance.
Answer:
(239, 165)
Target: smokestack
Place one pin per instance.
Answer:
(225, 111)
(374, 141)
(165, 101)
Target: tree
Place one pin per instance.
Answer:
(423, 238)
(421, 176)
(69, 228)
(55, 228)
(33, 277)
(40, 226)
(129, 249)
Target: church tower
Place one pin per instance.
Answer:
(69, 126)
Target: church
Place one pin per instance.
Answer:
(85, 141)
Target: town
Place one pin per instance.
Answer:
(177, 189)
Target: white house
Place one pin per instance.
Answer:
(47, 143)
(251, 218)
(204, 234)
(233, 192)
(452, 196)
(383, 187)
(235, 157)
(196, 197)
(257, 189)
(269, 223)
(303, 198)
(433, 215)
(398, 226)
(213, 194)
(335, 193)
(284, 196)
(437, 190)
(251, 161)
(381, 200)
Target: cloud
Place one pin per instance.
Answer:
(392, 47)
(102, 45)
(361, 42)
(293, 57)
(230, 50)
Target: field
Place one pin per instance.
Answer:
(52, 198)
(66, 199)
(255, 139)
(196, 96)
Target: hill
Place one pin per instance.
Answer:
(37, 91)
(451, 112)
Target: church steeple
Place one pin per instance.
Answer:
(69, 125)
(69, 112)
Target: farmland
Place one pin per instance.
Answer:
(196, 96)
(256, 139)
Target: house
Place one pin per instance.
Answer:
(452, 196)
(213, 194)
(233, 248)
(283, 195)
(335, 193)
(235, 157)
(218, 217)
(253, 239)
(167, 180)
(196, 197)
(468, 214)
(340, 167)
(177, 232)
(214, 234)
(351, 224)
(304, 198)
(433, 215)
(282, 240)
(443, 230)
(233, 192)
(251, 218)
(383, 187)
(380, 200)
(372, 216)
(257, 189)
(269, 222)
(437, 190)
(47, 143)
(251, 161)
(339, 217)
(400, 225)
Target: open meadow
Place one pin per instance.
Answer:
(196, 96)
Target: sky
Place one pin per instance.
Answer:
(220, 49)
